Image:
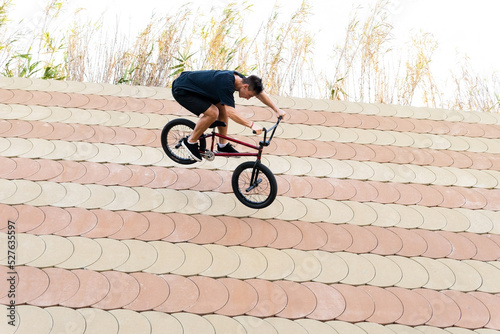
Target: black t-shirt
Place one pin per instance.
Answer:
(216, 85)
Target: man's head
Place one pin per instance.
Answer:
(252, 86)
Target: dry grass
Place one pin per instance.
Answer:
(367, 67)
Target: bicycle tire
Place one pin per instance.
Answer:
(262, 194)
(171, 135)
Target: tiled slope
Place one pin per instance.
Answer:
(387, 218)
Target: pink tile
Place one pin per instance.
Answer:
(108, 223)
(413, 243)
(329, 301)
(56, 219)
(212, 230)
(134, 225)
(359, 305)
(186, 228)
(30, 217)
(437, 246)
(462, 248)
(313, 236)
(124, 289)
(82, 221)
(445, 312)
(154, 291)
(64, 284)
(388, 242)
(339, 239)
(160, 226)
(213, 295)
(263, 233)
(289, 235)
(301, 300)
(237, 231)
(272, 298)
(416, 309)
(93, 288)
(364, 241)
(243, 297)
(473, 313)
(388, 307)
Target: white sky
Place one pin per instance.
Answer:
(466, 26)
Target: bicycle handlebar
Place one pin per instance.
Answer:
(273, 128)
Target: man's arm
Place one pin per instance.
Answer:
(264, 98)
(236, 116)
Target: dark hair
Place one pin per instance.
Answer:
(254, 83)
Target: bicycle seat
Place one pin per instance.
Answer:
(217, 124)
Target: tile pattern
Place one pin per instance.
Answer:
(386, 219)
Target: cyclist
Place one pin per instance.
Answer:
(210, 93)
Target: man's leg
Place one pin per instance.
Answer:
(223, 118)
(207, 118)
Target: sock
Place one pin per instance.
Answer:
(222, 145)
(189, 141)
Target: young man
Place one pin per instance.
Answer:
(210, 94)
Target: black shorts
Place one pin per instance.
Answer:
(195, 103)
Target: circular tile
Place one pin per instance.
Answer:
(301, 300)
(237, 231)
(159, 321)
(169, 258)
(198, 259)
(329, 302)
(142, 255)
(361, 271)
(491, 302)
(62, 316)
(124, 289)
(462, 248)
(92, 289)
(364, 240)
(154, 291)
(108, 223)
(387, 272)
(467, 278)
(334, 268)
(288, 234)
(388, 242)
(490, 274)
(263, 233)
(40, 321)
(440, 276)
(359, 304)
(306, 266)
(445, 312)
(388, 307)
(416, 308)
(114, 253)
(224, 261)
(437, 245)
(272, 298)
(253, 263)
(85, 252)
(213, 295)
(32, 284)
(183, 294)
(57, 250)
(414, 274)
(339, 239)
(243, 297)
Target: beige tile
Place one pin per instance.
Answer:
(279, 264)
(176, 201)
(170, 258)
(286, 326)
(223, 324)
(26, 191)
(114, 254)
(467, 278)
(306, 266)
(252, 263)
(37, 320)
(224, 261)
(456, 220)
(440, 276)
(222, 204)
(490, 275)
(197, 202)
(57, 250)
(274, 210)
(100, 196)
(159, 321)
(363, 214)
(316, 211)
(340, 169)
(414, 275)
(254, 325)
(433, 219)
(361, 170)
(308, 132)
(62, 316)
(198, 259)
(8, 189)
(317, 327)
(479, 222)
(131, 322)
(149, 199)
(192, 323)
(142, 256)
(345, 327)
(17, 147)
(387, 272)
(99, 321)
(85, 252)
(298, 166)
(361, 271)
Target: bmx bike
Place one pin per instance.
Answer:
(253, 183)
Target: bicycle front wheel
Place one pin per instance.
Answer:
(171, 137)
(254, 185)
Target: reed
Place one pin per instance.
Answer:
(369, 66)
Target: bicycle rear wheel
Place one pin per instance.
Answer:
(171, 136)
(254, 185)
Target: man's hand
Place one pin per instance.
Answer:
(281, 113)
(256, 128)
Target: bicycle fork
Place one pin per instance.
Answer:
(254, 180)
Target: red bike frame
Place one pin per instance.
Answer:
(242, 154)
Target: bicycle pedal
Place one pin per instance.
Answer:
(208, 155)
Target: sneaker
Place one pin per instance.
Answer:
(226, 149)
(192, 149)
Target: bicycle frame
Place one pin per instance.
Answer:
(259, 148)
